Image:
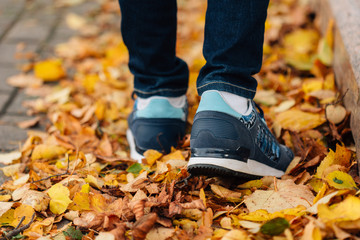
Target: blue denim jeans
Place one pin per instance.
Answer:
(234, 35)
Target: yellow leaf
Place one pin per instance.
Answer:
(89, 82)
(85, 188)
(341, 156)
(81, 202)
(202, 196)
(347, 210)
(49, 70)
(251, 184)
(98, 203)
(100, 109)
(117, 54)
(303, 120)
(256, 216)
(7, 217)
(47, 152)
(325, 48)
(22, 211)
(341, 180)
(312, 85)
(5, 198)
(151, 156)
(300, 46)
(59, 198)
(219, 233)
(321, 192)
(93, 181)
(175, 154)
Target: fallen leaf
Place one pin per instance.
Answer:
(22, 211)
(341, 180)
(324, 200)
(287, 195)
(143, 226)
(43, 151)
(59, 198)
(335, 114)
(236, 234)
(302, 122)
(29, 123)
(24, 80)
(224, 192)
(37, 200)
(49, 70)
(347, 210)
(160, 233)
(275, 226)
(7, 158)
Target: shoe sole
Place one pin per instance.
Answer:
(133, 153)
(231, 167)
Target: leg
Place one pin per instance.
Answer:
(149, 32)
(234, 35)
(158, 118)
(229, 135)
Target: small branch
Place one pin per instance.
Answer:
(56, 175)
(18, 230)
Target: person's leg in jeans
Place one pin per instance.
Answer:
(160, 78)
(229, 135)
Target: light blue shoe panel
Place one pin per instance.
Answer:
(213, 101)
(161, 108)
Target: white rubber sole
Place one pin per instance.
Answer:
(133, 153)
(250, 167)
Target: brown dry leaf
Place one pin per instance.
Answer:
(224, 192)
(24, 81)
(286, 195)
(90, 219)
(7, 158)
(29, 123)
(143, 226)
(160, 233)
(236, 234)
(38, 200)
(335, 114)
(203, 233)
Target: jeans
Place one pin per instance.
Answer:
(234, 35)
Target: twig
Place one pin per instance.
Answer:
(18, 229)
(56, 175)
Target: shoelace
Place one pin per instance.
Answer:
(265, 139)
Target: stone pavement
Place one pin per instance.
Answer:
(39, 26)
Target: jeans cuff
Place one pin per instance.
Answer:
(167, 92)
(227, 87)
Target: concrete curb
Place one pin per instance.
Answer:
(346, 14)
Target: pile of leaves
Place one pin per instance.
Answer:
(76, 180)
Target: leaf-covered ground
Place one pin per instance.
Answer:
(76, 180)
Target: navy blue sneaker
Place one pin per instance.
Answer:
(156, 123)
(226, 143)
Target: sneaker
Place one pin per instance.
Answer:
(226, 143)
(156, 123)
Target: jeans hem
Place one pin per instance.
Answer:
(167, 92)
(227, 87)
